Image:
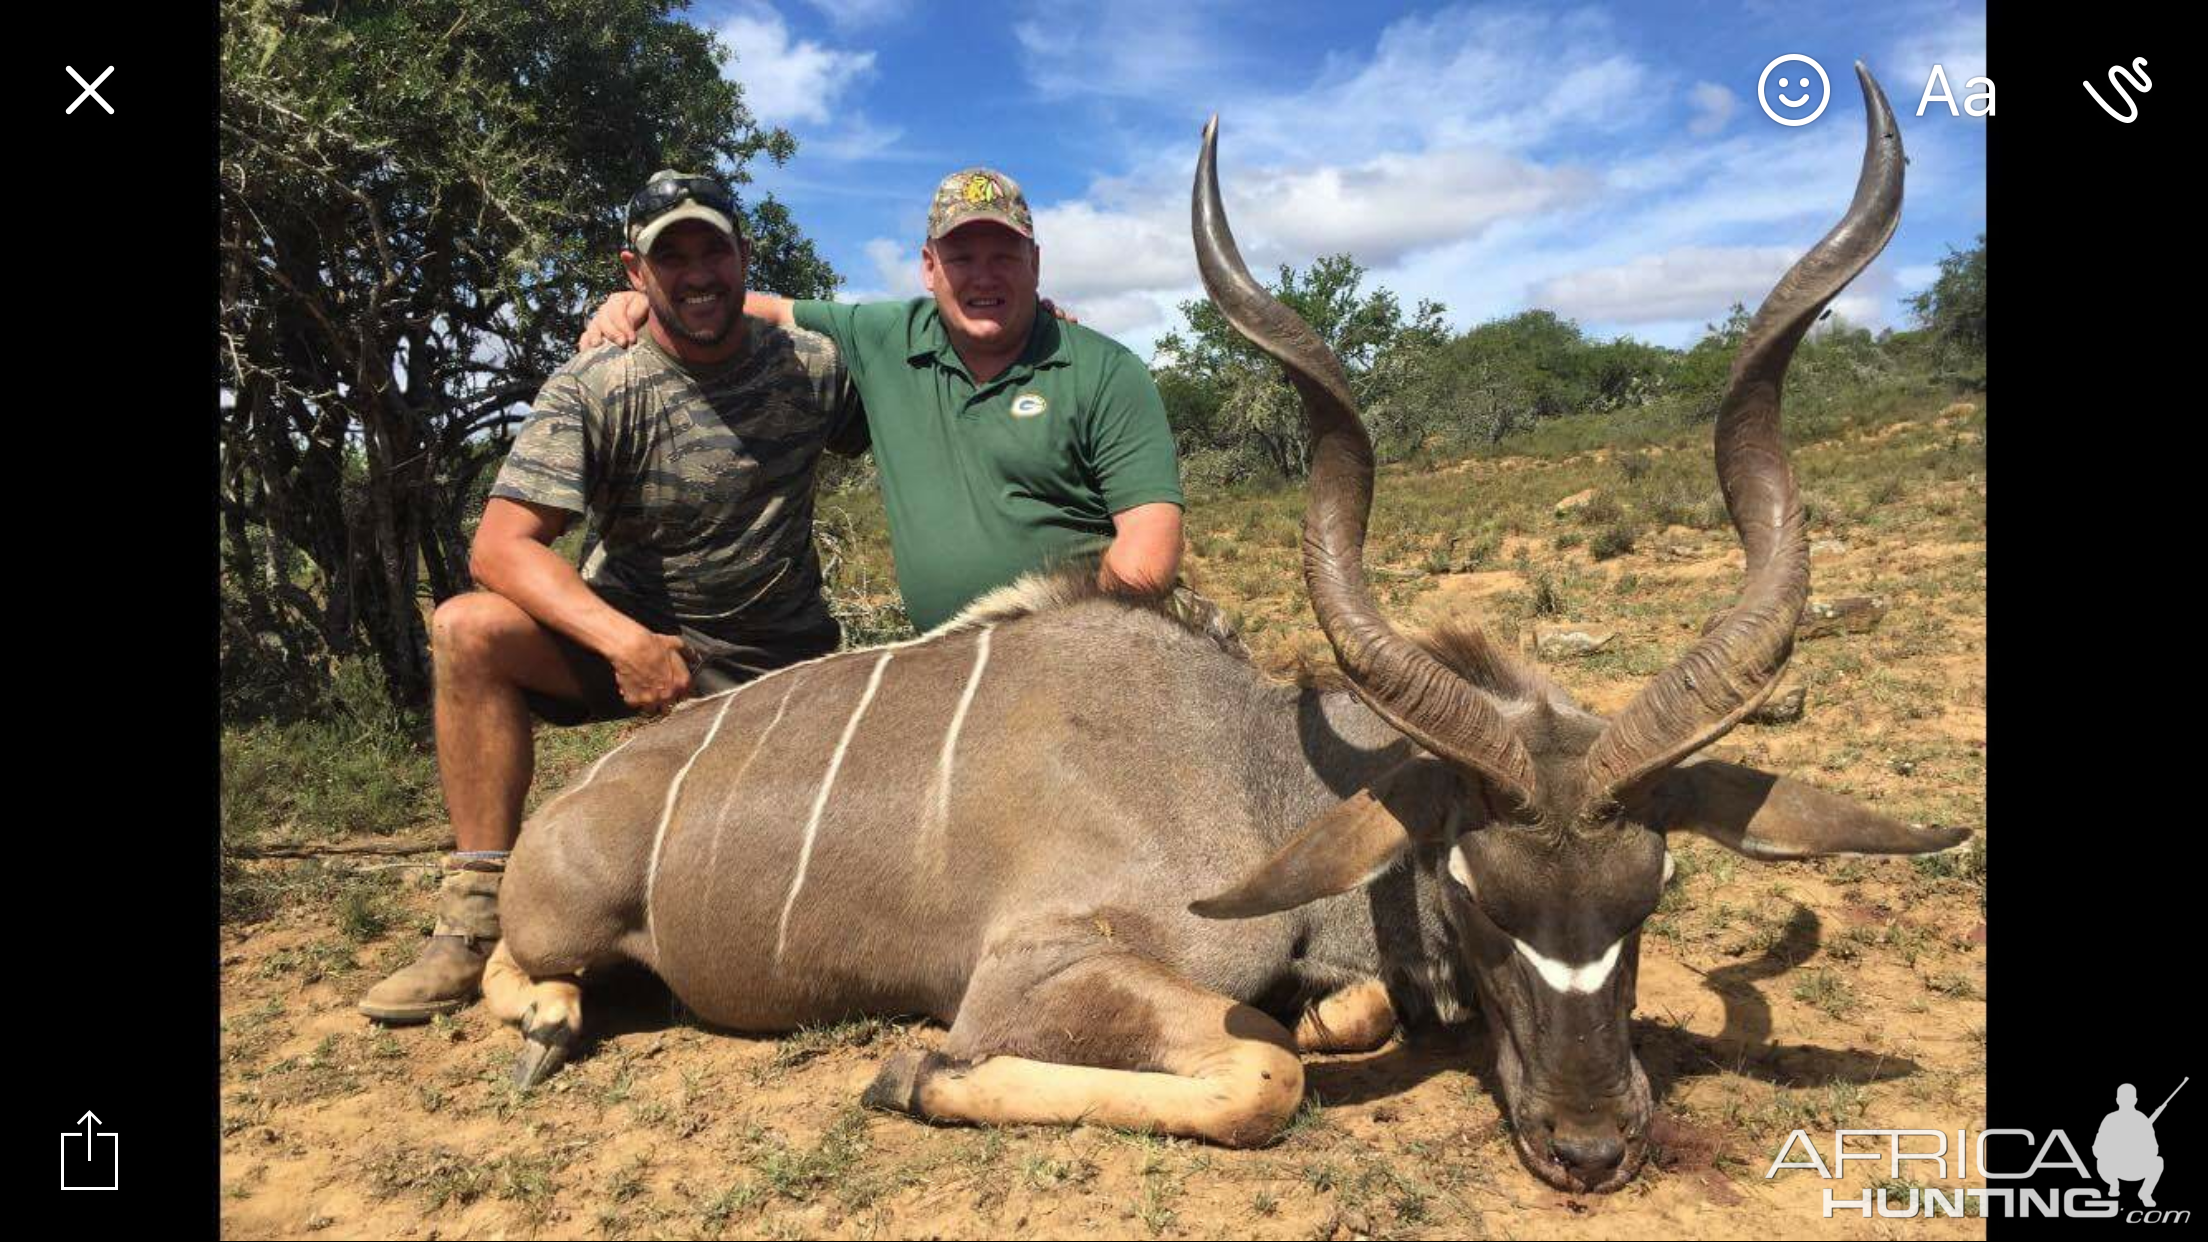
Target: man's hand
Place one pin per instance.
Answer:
(617, 322)
(652, 672)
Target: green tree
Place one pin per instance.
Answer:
(1953, 310)
(1507, 374)
(1228, 398)
(418, 201)
(1700, 375)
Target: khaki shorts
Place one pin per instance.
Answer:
(723, 666)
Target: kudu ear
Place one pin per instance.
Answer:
(1770, 818)
(1343, 847)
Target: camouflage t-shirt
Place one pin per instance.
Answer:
(697, 480)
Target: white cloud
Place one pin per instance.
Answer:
(897, 266)
(1122, 255)
(786, 81)
(1713, 108)
(1148, 49)
(1859, 307)
(853, 14)
(1917, 276)
(1465, 77)
(1699, 284)
(1955, 40)
(1389, 206)
(855, 137)
(1090, 252)
(1123, 237)
(1683, 283)
(1124, 315)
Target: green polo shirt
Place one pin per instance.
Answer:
(983, 483)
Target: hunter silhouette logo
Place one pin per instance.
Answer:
(2125, 1150)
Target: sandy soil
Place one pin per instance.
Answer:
(335, 1129)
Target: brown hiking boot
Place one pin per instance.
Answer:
(449, 972)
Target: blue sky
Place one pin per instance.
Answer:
(1608, 162)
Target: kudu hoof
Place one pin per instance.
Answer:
(896, 1088)
(544, 1048)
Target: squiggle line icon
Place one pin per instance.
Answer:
(2117, 77)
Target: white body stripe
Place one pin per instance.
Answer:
(1567, 978)
(820, 803)
(667, 813)
(939, 810)
(687, 704)
(720, 821)
(589, 776)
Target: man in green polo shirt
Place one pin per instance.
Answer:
(1007, 440)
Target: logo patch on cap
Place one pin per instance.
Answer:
(1028, 405)
(978, 194)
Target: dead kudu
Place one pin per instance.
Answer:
(1002, 824)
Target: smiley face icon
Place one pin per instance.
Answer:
(1794, 91)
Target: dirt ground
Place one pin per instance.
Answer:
(1810, 995)
(665, 1129)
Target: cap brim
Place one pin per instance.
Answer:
(642, 243)
(980, 217)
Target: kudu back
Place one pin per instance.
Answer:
(1120, 863)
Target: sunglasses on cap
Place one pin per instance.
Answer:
(659, 197)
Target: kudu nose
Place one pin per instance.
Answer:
(1590, 1157)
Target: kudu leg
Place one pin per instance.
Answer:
(1116, 1040)
(1359, 1018)
(558, 924)
(549, 1011)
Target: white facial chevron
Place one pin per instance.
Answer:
(1567, 978)
(1561, 976)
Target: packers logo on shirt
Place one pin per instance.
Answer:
(1028, 405)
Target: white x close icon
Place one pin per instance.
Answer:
(91, 90)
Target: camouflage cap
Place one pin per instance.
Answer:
(671, 197)
(979, 194)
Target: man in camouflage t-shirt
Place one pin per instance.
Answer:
(691, 454)
(698, 481)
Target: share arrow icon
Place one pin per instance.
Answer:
(97, 1166)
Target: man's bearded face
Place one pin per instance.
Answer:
(694, 281)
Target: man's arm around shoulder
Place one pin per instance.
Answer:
(621, 317)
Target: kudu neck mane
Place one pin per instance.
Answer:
(1068, 586)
